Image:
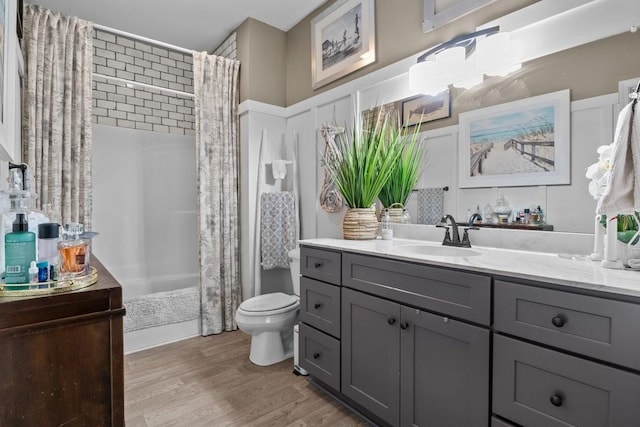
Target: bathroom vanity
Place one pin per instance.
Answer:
(62, 357)
(411, 333)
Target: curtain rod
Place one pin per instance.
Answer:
(134, 83)
(144, 39)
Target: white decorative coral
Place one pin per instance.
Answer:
(599, 172)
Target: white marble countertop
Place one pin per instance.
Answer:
(577, 272)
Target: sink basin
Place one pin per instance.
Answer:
(432, 250)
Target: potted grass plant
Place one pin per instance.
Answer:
(360, 163)
(404, 176)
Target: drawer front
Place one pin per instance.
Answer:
(538, 387)
(320, 264)
(592, 326)
(320, 305)
(452, 293)
(497, 422)
(320, 355)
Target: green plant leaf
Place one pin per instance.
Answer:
(361, 162)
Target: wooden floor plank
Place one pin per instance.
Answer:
(209, 381)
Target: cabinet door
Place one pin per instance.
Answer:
(445, 371)
(371, 353)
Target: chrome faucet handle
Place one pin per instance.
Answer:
(465, 236)
(447, 236)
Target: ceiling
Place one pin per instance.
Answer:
(193, 24)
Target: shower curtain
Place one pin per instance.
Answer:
(56, 131)
(216, 101)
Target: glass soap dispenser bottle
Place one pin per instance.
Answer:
(74, 252)
(20, 251)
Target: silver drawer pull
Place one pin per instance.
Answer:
(556, 400)
(559, 321)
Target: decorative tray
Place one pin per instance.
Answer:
(51, 287)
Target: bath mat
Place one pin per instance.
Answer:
(162, 308)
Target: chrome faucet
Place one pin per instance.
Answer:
(473, 218)
(456, 235)
(454, 238)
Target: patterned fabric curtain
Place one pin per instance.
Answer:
(216, 100)
(57, 111)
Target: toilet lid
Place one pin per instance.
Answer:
(269, 302)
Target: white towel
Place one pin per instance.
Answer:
(277, 228)
(279, 169)
(430, 205)
(623, 190)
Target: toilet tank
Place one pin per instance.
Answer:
(294, 267)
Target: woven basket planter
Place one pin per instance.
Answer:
(397, 213)
(360, 224)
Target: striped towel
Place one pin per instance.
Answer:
(430, 205)
(277, 228)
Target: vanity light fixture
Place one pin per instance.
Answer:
(463, 61)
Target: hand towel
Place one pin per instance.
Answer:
(622, 194)
(430, 205)
(277, 228)
(279, 169)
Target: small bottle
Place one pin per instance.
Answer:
(540, 216)
(527, 216)
(43, 271)
(468, 214)
(74, 252)
(20, 250)
(33, 272)
(48, 236)
(387, 231)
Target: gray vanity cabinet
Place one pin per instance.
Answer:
(444, 371)
(319, 346)
(371, 353)
(411, 367)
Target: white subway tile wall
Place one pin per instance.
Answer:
(115, 104)
(227, 48)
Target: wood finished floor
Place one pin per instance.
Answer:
(209, 381)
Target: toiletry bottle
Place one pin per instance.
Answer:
(74, 252)
(33, 272)
(540, 216)
(48, 234)
(387, 231)
(20, 250)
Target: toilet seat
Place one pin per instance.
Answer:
(273, 303)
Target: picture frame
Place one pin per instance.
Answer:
(426, 108)
(520, 143)
(342, 40)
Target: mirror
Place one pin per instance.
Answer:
(591, 71)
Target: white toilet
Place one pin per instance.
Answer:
(269, 319)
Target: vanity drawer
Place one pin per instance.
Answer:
(452, 293)
(320, 355)
(497, 422)
(592, 326)
(538, 387)
(320, 264)
(320, 305)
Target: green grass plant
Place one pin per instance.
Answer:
(361, 162)
(407, 171)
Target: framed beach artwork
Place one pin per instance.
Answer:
(426, 108)
(342, 40)
(525, 142)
